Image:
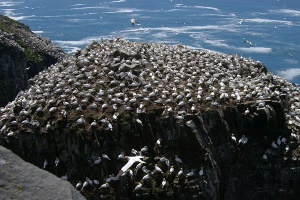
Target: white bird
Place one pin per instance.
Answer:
(45, 163)
(85, 184)
(134, 21)
(233, 138)
(191, 173)
(139, 186)
(145, 170)
(131, 161)
(144, 149)
(201, 172)
(90, 182)
(105, 156)
(172, 170)
(243, 140)
(158, 142)
(139, 122)
(283, 140)
(248, 42)
(80, 120)
(164, 183)
(78, 185)
(104, 186)
(93, 124)
(121, 156)
(56, 161)
(146, 177)
(158, 169)
(178, 160)
(97, 161)
(180, 172)
(265, 157)
(134, 152)
(240, 22)
(274, 145)
(65, 177)
(96, 182)
(279, 140)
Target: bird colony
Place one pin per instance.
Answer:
(107, 81)
(100, 83)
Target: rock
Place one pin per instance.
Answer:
(23, 55)
(22, 180)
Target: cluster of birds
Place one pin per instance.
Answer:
(141, 77)
(161, 174)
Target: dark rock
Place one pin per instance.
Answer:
(23, 55)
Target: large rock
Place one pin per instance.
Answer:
(22, 180)
(219, 113)
(23, 55)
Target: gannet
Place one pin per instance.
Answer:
(134, 21)
(201, 172)
(178, 160)
(131, 161)
(248, 42)
(78, 185)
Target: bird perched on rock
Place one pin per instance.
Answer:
(178, 160)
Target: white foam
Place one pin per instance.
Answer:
(10, 3)
(87, 8)
(289, 74)
(80, 20)
(261, 20)
(9, 13)
(38, 32)
(287, 11)
(206, 7)
(255, 49)
(217, 43)
(124, 10)
(119, 1)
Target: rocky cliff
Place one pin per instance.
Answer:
(199, 124)
(23, 54)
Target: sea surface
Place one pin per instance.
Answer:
(270, 27)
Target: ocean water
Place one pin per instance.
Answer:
(272, 26)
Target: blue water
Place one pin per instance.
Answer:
(272, 26)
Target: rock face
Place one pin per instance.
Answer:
(22, 180)
(233, 124)
(23, 54)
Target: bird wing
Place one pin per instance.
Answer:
(128, 165)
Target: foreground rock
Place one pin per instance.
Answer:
(22, 180)
(23, 55)
(233, 124)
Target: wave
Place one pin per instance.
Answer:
(89, 7)
(38, 32)
(217, 43)
(124, 10)
(17, 17)
(286, 11)
(198, 7)
(289, 74)
(119, 1)
(254, 49)
(10, 3)
(261, 20)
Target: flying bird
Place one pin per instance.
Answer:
(134, 21)
(131, 161)
(248, 42)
